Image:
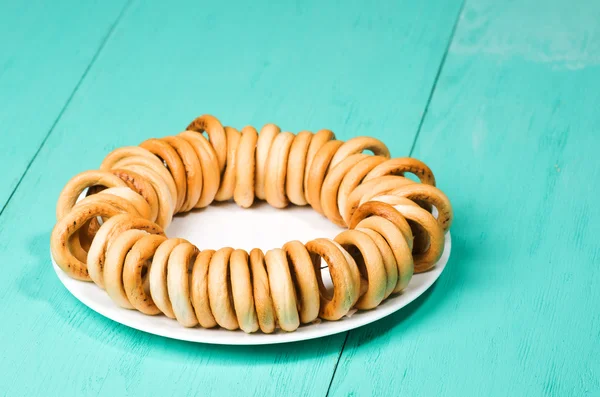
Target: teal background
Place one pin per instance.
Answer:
(500, 98)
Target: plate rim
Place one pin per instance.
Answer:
(239, 337)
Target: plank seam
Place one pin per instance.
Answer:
(433, 87)
(336, 363)
(68, 102)
(437, 77)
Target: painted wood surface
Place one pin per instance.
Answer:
(513, 135)
(45, 51)
(353, 68)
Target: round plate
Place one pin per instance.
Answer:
(264, 227)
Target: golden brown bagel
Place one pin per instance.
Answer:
(73, 189)
(331, 186)
(122, 198)
(211, 175)
(263, 147)
(114, 234)
(136, 278)
(305, 280)
(245, 168)
(241, 288)
(140, 185)
(125, 152)
(282, 290)
(386, 211)
(346, 288)
(192, 169)
(431, 195)
(114, 264)
(178, 283)
(154, 165)
(316, 174)
(276, 168)
(66, 227)
(138, 202)
(200, 299)
(425, 260)
(374, 187)
(158, 275)
(316, 143)
(421, 237)
(216, 134)
(227, 186)
(263, 303)
(110, 230)
(389, 261)
(168, 154)
(354, 177)
(294, 183)
(399, 166)
(368, 258)
(397, 243)
(358, 145)
(219, 289)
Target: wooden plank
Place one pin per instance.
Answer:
(512, 135)
(355, 69)
(45, 50)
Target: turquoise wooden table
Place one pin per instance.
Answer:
(501, 99)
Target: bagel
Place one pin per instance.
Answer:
(114, 235)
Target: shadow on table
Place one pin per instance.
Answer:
(39, 283)
(438, 300)
(78, 318)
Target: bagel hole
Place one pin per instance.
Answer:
(323, 276)
(144, 275)
(421, 237)
(250, 272)
(369, 152)
(93, 190)
(425, 205)
(89, 191)
(360, 263)
(328, 284)
(411, 176)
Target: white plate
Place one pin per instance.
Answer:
(263, 227)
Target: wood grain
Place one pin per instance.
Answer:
(512, 134)
(45, 50)
(344, 66)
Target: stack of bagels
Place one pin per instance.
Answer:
(115, 235)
